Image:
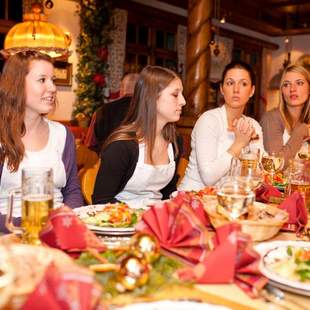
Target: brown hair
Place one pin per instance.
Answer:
(12, 106)
(305, 113)
(140, 121)
(239, 65)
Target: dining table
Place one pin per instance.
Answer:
(228, 295)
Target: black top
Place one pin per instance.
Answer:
(108, 117)
(118, 163)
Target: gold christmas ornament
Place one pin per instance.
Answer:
(147, 246)
(134, 272)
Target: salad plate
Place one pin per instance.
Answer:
(286, 264)
(109, 219)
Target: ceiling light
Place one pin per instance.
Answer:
(35, 33)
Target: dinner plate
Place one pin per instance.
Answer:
(82, 212)
(172, 305)
(270, 251)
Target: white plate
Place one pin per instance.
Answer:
(113, 231)
(270, 250)
(172, 305)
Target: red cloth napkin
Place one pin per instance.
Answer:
(195, 203)
(178, 229)
(67, 232)
(294, 205)
(231, 260)
(266, 191)
(64, 289)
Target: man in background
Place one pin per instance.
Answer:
(110, 115)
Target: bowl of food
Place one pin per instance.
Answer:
(262, 221)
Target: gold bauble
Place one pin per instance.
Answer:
(134, 272)
(147, 246)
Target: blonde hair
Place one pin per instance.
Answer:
(305, 113)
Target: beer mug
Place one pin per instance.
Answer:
(36, 201)
(299, 179)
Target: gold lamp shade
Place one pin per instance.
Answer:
(36, 33)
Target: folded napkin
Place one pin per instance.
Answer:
(67, 232)
(195, 203)
(265, 192)
(294, 205)
(178, 229)
(232, 260)
(64, 289)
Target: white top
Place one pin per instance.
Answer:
(209, 160)
(143, 188)
(286, 136)
(50, 156)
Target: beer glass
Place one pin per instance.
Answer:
(36, 202)
(299, 179)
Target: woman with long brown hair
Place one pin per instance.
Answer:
(287, 127)
(138, 160)
(27, 137)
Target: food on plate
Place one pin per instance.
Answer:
(111, 215)
(292, 263)
(279, 180)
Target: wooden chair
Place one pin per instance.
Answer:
(183, 162)
(87, 177)
(85, 157)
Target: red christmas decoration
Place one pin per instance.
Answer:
(102, 53)
(99, 79)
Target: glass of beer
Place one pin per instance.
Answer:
(36, 201)
(299, 179)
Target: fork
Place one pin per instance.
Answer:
(278, 297)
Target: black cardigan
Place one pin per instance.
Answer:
(118, 163)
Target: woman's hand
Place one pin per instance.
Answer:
(244, 131)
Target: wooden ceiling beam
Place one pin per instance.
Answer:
(253, 41)
(283, 3)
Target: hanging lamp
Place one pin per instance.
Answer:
(35, 33)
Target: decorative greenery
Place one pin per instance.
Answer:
(95, 20)
(161, 275)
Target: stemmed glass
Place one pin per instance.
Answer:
(234, 196)
(304, 152)
(272, 163)
(247, 168)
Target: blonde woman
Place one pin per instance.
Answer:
(287, 127)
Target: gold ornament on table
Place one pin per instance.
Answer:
(145, 246)
(134, 272)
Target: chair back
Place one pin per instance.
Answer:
(85, 157)
(183, 162)
(88, 178)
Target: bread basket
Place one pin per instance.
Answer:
(263, 221)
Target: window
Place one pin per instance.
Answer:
(11, 11)
(149, 42)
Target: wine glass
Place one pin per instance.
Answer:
(234, 196)
(247, 168)
(304, 152)
(272, 163)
